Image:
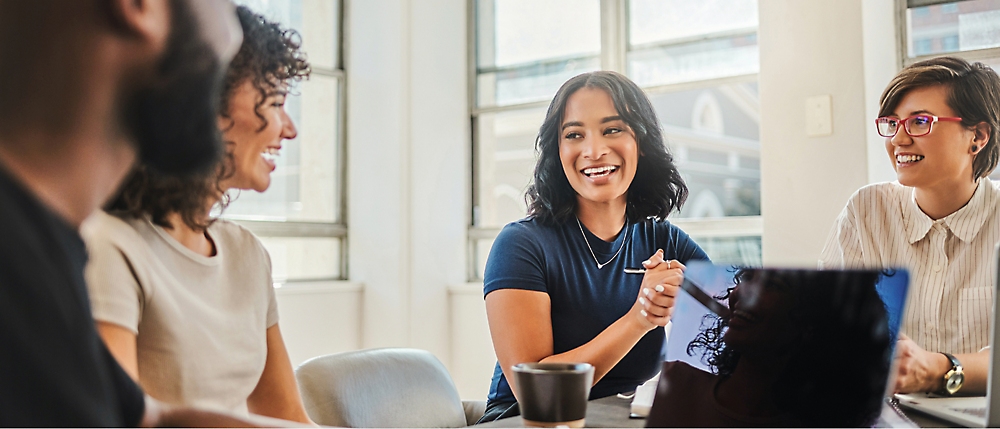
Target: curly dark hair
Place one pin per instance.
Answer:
(269, 57)
(836, 375)
(657, 188)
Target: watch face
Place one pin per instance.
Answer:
(954, 382)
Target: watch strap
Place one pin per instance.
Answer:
(956, 370)
(955, 364)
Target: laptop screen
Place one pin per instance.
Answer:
(792, 347)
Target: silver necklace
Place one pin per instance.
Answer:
(599, 264)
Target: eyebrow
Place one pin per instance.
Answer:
(920, 112)
(603, 121)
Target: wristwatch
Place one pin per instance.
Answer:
(954, 378)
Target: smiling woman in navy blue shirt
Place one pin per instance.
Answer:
(555, 285)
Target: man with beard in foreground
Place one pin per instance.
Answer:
(87, 87)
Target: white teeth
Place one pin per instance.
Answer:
(600, 171)
(270, 154)
(908, 158)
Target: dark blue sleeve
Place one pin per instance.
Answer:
(684, 248)
(516, 261)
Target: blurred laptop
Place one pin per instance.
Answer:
(973, 411)
(861, 301)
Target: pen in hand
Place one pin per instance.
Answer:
(695, 291)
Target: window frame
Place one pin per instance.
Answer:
(337, 229)
(902, 37)
(613, 56)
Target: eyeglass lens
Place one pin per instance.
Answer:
(915, 126)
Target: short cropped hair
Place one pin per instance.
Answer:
(657, 188)
(974, 96)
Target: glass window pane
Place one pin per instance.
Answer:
(953, 27)
(317, 21)
(506, 160)
(743, 251)
(694, 61)
(303, 258)
(659, 21)
(305, 184)
(513, 32)
(675, 41)
(530, 83)
(321, 32)
(526, 49)
(714, 135)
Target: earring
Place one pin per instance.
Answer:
(974, 148)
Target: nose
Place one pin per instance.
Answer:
(288, 130)
(902, 138)
(594, 147)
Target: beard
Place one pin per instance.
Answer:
(173, 120)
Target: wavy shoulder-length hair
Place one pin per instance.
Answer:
(269, 58)
(657, 188)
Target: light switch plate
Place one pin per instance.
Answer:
(819, 116)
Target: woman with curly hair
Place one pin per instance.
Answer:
(802, 349)
(555, 285)
(183, 301)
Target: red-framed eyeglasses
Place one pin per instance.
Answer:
(915, 126)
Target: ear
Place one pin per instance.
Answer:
(983, 133)
(147, 21)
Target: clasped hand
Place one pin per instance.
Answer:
(658, 292)
(917, 370)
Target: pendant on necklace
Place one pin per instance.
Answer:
(585, 240)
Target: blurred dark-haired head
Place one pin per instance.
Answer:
(827, 330)
(173, 121)
(59, 59)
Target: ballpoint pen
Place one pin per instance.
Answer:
(695, 291)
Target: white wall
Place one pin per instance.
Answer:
(408, 167)
(810, 48)
(319, 318)
(882, 59)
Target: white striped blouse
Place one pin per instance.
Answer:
(950, 260)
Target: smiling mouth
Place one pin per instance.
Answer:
(599, 171)
(270, 154)
(908, 159)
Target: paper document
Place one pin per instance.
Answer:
(643, 399)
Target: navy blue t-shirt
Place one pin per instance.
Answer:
(585, 300)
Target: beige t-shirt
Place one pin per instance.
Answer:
(200, 321)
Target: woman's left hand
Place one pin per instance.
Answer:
(659, 289)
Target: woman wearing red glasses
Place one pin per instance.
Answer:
(940, 119)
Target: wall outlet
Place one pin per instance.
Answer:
(819, 116)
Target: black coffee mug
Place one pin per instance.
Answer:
(553, 394)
